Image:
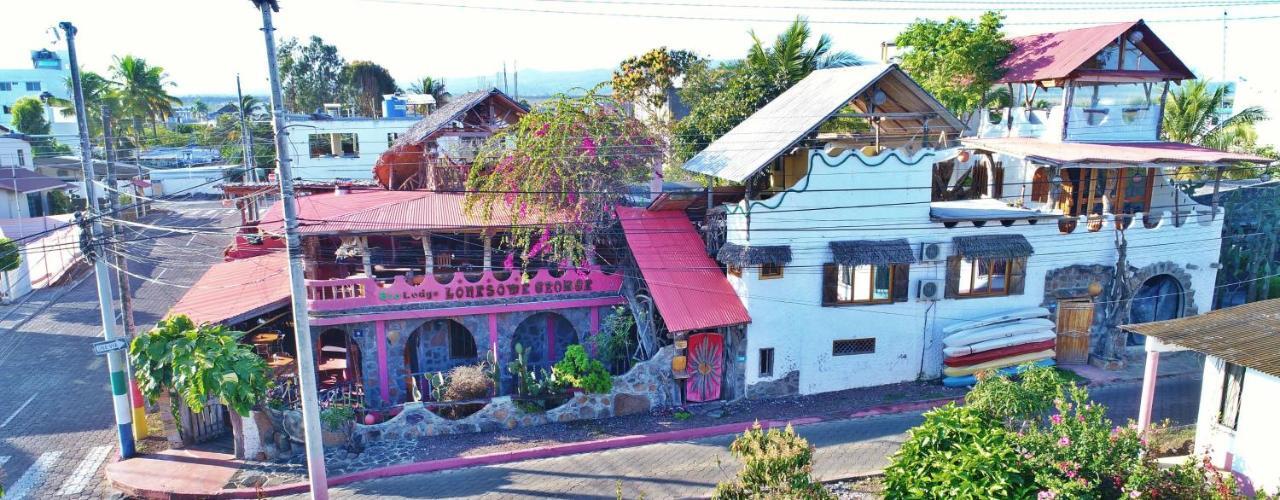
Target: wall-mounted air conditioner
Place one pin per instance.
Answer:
(931, 290)
(931, 252)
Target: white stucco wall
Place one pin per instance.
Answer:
(1254, 446)
(887, 197)
(371, 134)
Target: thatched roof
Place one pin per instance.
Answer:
(740, 255)
(872, 252)
(452, 111)
(994, 246)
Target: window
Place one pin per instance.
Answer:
(1126, 191)
(6, 87)
(346, 145)
(1232, 387)
(461, 344)
(6, 110)
(391, 138)
(35, 204)
(22, 158)
(980, 277)
(849, 347)
(735, 271)
(770, 271)
(33, 86)
(766, 362)
(863, 284)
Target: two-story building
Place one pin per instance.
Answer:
(872, 237)
(49, 75)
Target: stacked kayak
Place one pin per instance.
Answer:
(1002, 342)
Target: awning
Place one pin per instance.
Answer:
(994, 246)
(1246, 335)
(237, 290)
(753, 255)
(688, 288)
(872, 252)
(1119, 154)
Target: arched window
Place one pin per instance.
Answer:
(461, 344)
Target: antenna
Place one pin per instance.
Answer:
(1224, 45)
(505, 87)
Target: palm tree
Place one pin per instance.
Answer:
(199, 109)
(252, 106)
(99, 93)
(1191, 116)
(142, 91)
(428, 85)
(789, 60)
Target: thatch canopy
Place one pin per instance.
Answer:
(872, 252)
(740, 255)
(994, 246)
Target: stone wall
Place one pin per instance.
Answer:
(1072, 282)
(646, 386)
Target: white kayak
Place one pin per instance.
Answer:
(1000, 343)
(1004, 317)
(995, 364)
(997, 331)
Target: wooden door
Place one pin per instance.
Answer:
(705, 367)
(1075, 320)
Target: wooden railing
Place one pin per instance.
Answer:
(341, 294)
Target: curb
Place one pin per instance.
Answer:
(573, 449)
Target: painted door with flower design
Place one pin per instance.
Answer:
(705, 366)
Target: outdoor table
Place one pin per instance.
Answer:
(333, 348)
(335, 364)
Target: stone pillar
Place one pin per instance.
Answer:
(428, 259)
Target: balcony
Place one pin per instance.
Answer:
(458, 287)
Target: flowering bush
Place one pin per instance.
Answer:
(559, 173)
(1013, 441)
(775, 464)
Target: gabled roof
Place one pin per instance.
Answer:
(21, 180)
(791, 117)
(1057, 55)
(1246, 335)
(453, 110)
(237, 290)
(688, 288)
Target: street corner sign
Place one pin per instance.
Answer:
(107, 346)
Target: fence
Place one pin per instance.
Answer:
(209, 424)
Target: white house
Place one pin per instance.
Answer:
(23, 192)
(331, 148)
(1238, 402)
(48, 73)
(866, 227)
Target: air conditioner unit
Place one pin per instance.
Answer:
(931, 290)
(931, 252)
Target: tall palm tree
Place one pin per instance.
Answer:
(790, 59)
(143, 92)
(428, 85)
(252, 106)
(1191, 116)
(99, 93)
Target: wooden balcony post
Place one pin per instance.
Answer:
(488, 248)
(429, 260)
(365, 259)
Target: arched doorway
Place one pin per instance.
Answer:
(338, 360)
(436, 346)
(1159, 298)
(545, 337)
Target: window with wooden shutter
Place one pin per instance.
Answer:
(953, 277)
(901, 281)
(997, 181)
(865, 284)
(985, 277)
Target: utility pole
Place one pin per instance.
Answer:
(247, 145)
(122, 271)
(301, 323)
(115, 359)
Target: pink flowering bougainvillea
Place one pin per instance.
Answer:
(559, 173)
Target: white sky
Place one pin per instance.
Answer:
(202, 44)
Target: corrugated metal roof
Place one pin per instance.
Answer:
(236, 290)
(382, 211)
(1247, 335)
(1129, 153)
(779, 125)
(1048, 56)
(688, 288)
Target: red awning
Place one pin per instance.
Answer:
(237, 290)
(1127, 153)
(688, 288)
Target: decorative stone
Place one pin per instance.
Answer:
(414, 418)
(630, 404)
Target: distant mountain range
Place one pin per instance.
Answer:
(532, 82)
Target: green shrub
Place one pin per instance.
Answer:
(957, 452)
(577, 369)
(533, 389)
(1001, 398)
(336, 417)
(775, 464)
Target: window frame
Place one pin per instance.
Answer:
(37, 86)
(766, 357)
(1228, 372)
(973, 278)
(771, 275)
(6, 87)
(854, 302)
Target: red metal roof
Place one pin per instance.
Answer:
(237, 290)
(687, 286)
(1048, 56)
(380, 211)
(1131, 153)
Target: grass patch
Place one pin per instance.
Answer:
(1071, 376)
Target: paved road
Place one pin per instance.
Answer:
(692, 468)
(56, 423)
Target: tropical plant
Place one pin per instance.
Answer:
(364, 83)
(99, 93)
(310, 74)
(645, 79)
(721, 97)
(143, 94)
(337, 418)
(432, 86)
(28, 116)
(956, 60)
(775, 465)
(616, 339)
(577, 369)
(200, 109)
(10, 260)
(957, 453)
(59, 203)
(559, 173)
(196, 363)
(1191, 116)
(533, 387)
